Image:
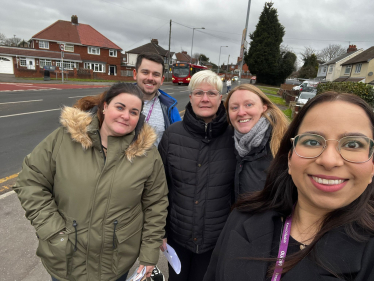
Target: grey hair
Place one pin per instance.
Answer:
(206, 76)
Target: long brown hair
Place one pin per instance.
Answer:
(280, 192)
(273, 114)
(88, 103)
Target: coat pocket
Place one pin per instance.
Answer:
(128, 241)
(56, 253)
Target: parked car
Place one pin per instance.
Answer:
(305, 96)
(235, 78)
(306, 84)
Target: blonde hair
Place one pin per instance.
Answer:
(273, 114)
(206, 76)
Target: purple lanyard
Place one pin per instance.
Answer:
(150, 110)
(282, 249)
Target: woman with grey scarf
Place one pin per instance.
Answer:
(259, 127)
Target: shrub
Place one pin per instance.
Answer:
(364, 91)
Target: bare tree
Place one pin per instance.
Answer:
(331, 51)
(2, 39)
(307, 53)
(12, 41)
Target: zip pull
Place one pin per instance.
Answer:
(114, 233)
(197, 249)
(76, 235)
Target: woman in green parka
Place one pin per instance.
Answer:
(95, 190)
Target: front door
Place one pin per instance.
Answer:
(112, 69)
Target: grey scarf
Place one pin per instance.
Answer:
(244, 143)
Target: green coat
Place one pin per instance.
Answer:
(114, 211)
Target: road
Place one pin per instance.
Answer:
(26, 118)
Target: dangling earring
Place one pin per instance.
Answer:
(103, 111)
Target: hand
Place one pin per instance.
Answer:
(163, 247)
(149, 269)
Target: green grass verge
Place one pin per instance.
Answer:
(288, 113)
(276, 100)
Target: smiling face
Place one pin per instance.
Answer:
(245, 109)
(149, 78)
(121, 115)
(205, 107)
(328, 182)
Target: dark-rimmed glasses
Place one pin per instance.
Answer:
(200, 93)
(354, 149)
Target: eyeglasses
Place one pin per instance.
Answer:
(210, 93)
(354, 149)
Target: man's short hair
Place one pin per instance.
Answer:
(152, 57)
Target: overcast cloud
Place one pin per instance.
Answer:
(133, 23)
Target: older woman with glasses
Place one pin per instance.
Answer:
(198, 155)
(314, 219)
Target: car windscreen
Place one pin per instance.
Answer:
(306, 96)
(181, 71)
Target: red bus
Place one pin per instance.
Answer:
(182, 72)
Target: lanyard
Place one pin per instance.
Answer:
(282, 249)
(150, 110)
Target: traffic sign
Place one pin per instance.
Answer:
(62, 46)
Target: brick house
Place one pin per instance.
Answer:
(152, 47)
(87, 53)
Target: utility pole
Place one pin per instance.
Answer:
(219, 57)
(244, 38)
(169, 52)
(228, 60)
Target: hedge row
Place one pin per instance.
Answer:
(364, 91)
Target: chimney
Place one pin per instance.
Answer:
(155, 41)
(184, 52)
(352, 48)
(74, 19)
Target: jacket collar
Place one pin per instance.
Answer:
(83, 125)
(198, 127)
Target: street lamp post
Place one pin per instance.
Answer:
(219, 58)
(193, 31)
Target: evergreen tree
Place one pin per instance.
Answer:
(264, 58)
(287, 66)
(310, 67)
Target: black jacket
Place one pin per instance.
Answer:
(258, 236)
(251, 170)
(199, 162)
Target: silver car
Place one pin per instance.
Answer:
(305, 96)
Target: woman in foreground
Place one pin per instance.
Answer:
(314, 220)
(95, 190)
(259, 127)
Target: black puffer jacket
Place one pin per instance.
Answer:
(251, 170)
(199, 162)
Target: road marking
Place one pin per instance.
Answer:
(26, 113)
(78, 97)
(8, 178)
(19, 101)
(6, 194)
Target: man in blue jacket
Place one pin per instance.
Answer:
(159, 108)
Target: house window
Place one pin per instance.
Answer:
(44, 62)
(43, 44)
(96, 67)
(69, 48)
(69, 65)
(22, 61)
(358, 68)
(324, 69)
(347, 69)
(331, 69)
(94, 50)
(112, 53)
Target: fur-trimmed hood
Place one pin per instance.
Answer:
(79, 123)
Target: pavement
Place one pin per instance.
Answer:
(18, 245)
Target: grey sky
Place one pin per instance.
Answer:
(133, 23)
